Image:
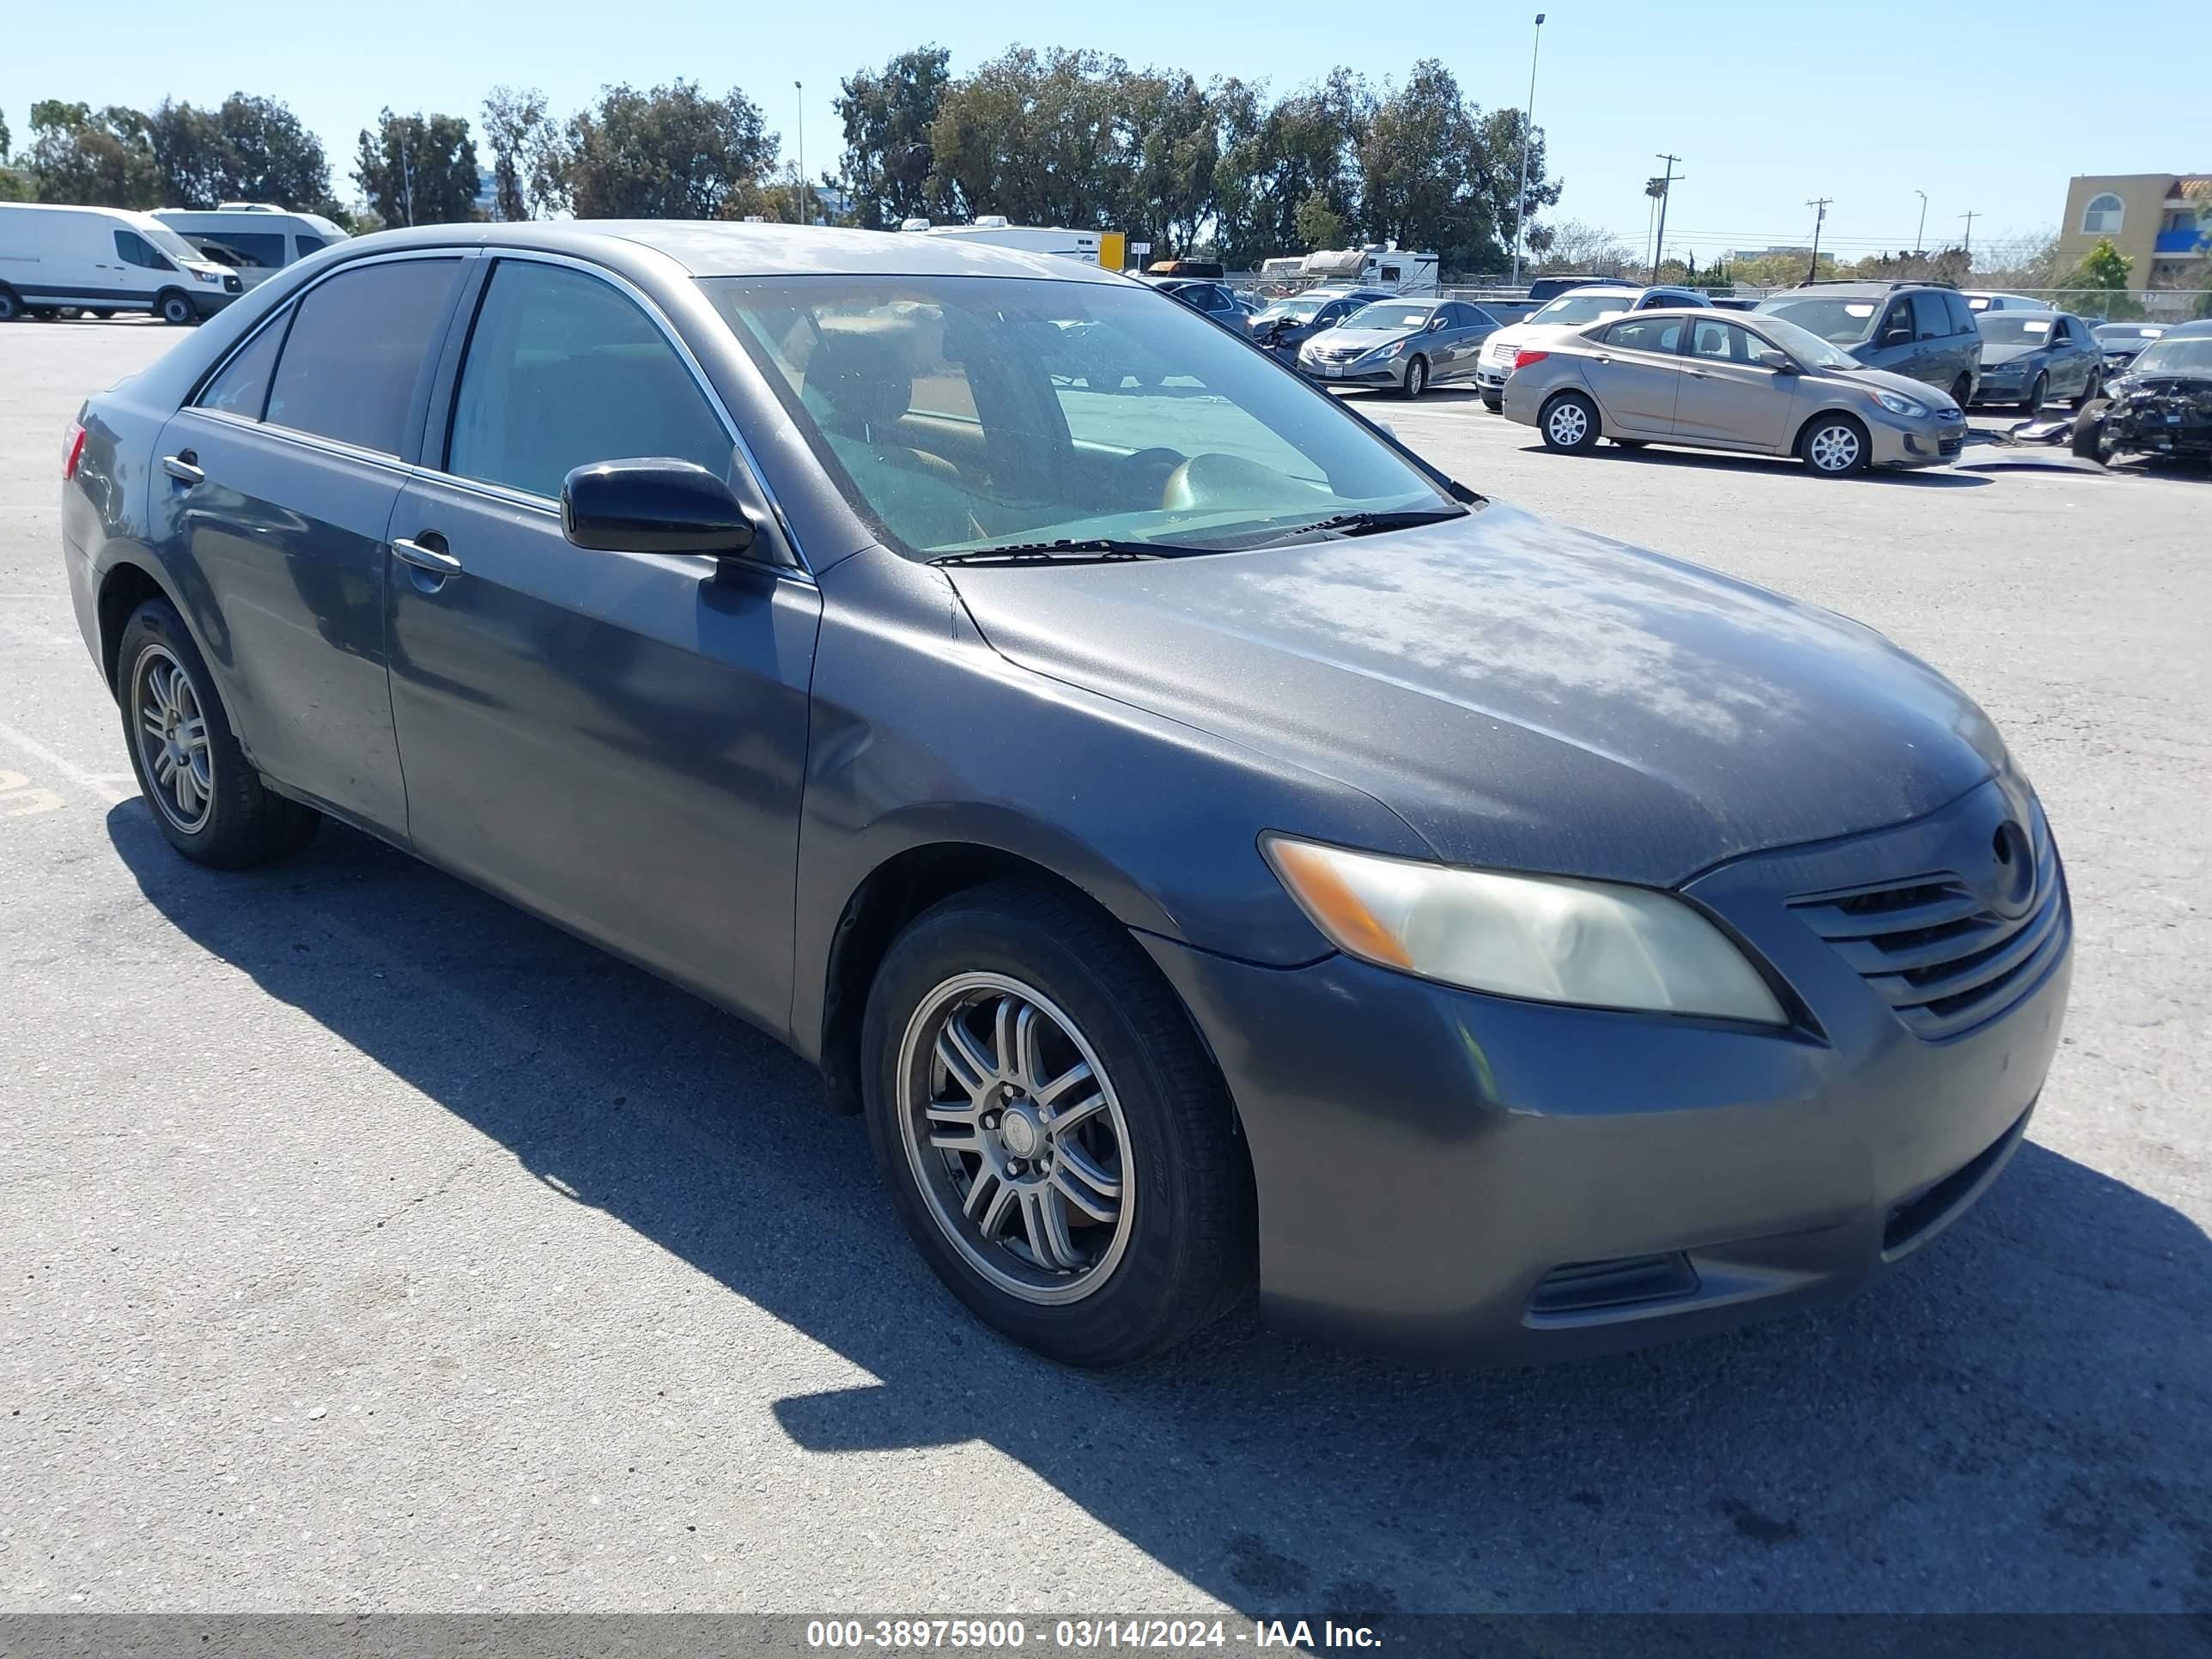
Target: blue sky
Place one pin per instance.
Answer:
(1983, 106)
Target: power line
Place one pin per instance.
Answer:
(1820, 204)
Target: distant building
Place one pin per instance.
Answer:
(487, 202)
(2159, 220)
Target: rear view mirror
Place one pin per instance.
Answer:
(656, 504)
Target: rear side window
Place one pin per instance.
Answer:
(357, 349)
(1962, 314)
(563, 371)
(134, 250)
(1646, 334)
(242, 388)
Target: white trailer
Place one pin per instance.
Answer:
(993, 228)
(1399, 270)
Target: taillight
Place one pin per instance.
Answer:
(72, 451)
(1522, 359)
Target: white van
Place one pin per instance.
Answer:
(253, 239)
(993, 228)
(104, 260)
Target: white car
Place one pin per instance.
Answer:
(1588, 304)
(104, 260)
(256, 241)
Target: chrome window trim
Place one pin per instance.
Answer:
(659, 319)
(336, 448)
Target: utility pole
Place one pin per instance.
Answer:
(406, 175)
(1666, 184)
(1970, 218)
(1820, 206)
(1527, 133)
(805, 217)
(1920, 236)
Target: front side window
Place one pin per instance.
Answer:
(1646, 334)
(263, 248)
(134, 250)
(2103, 215)
(564, 370)
(358, 347)
(968, 414)
(1720, 342)
(242, 388)
(306, 244)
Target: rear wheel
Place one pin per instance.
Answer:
(1833, 445)
(1631, 443)
(1570, 424)
(1417, 379)
(2091, 389)
(11, 308)
(207, 800)
(2038, 390)
(1056, 1141)
(1962, 389)
(175, 306)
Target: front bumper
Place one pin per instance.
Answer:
(1470, 1177)
(1924, 442)
(1353, 374)
(208, 300)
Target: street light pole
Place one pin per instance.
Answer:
(800, 89)
(1527, 133)
(1920, 236)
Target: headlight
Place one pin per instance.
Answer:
(1547, 937)
(1897, 403)
(206, 276)
(1395, 348)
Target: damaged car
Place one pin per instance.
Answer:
(2161, 406)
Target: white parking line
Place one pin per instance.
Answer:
(92, 783)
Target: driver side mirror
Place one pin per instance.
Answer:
(1779, 362)
(1437, 323)
(656, 504)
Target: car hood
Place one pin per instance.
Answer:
(1994, 354)
(1525, 695)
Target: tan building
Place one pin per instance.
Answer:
(2159, 220)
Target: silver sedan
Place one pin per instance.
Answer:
(1409, 345)
(1759, 385)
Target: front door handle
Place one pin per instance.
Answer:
(435, 560)
(181, 468)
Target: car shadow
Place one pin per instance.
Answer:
(1714, 461)
(2021, 1419)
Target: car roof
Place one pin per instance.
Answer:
(2196, 331)
(707, 247)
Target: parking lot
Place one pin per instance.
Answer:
(367, 1244)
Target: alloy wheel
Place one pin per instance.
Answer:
(172, 740)
(1417, 378)
(1567, 425)
(1835, 448)
(1016, 1138)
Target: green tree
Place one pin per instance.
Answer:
(2103, 278)
(1041, 139)
(250, 149)
(15, 187)
(1319, 225)
(529, 168)
(418, 170)
(1174, 141)
(671, 153)
(888, 114)
(103, 159)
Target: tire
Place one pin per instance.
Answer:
(2092, 390)
(1962, 390)
(1496, 405)
(1833, 445)
(1177, 1248)
(103, 315)
(213, 807)
(174, 306)
(2038, 390)
(11, 308)
(2088, 441)
(1417, 380)
(1570, 424)
(1632, 443)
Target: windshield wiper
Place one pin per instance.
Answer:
(1090, 549)
(1369, 523)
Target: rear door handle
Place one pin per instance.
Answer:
(180, 468)
(435, 560)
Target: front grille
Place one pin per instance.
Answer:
(1948, 447)
(1934, 948)
(1503, 353)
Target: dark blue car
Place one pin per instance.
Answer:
(1210, 845)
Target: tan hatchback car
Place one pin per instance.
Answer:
(1727, 381)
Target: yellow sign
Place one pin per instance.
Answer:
(1113, 248)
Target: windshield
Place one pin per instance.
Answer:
(169, 242)
(1807, 348)
(2014, 328)
(2170, 356)
(1571, 309)
(1386, 315)
(1300, 309)
(1835, 318)
(961, 414)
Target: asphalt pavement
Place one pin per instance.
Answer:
(366, 1245)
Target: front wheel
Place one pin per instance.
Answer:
(1417, 379)
(176, 307)
(1494, 402)
(11, 308)
(2088, 441)
(1570, 424)
(2092, 389)
(2038, 390)
(1835, 445)
(207, 800)
(1056, 1142)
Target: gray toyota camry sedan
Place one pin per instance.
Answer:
(1211, 846)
